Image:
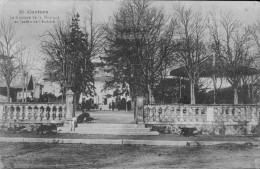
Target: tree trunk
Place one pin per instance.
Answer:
(23, 88)
(26, 87)
(249, 94)
(253, 95)
(180, 88)
(8, 93)
(149, 94)
(215, 88)
(192, 93)
(235, 96)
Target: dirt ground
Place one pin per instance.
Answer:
(79, 156)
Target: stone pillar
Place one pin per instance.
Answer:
(69, 105)
(139, 110)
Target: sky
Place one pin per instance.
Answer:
(246, 12)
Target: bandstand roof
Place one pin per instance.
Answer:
(209, 70)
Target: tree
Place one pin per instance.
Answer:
(10, 48)
(96, 32)
(232, 46)
(25, 61)
(81, 76)
(53, 45)
(192, 50)
(139, 46)
(69, 57)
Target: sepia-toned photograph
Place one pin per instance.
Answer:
(129, 84)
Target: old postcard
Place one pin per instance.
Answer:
(129, 84)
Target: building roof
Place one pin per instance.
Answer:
(14, 84)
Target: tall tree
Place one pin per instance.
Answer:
(25, 61)
(81, 77)
(10, 48)
(139, 45)
(192, 50)
(96, 32)
(232, 46)
(69, 57)
(53, 45)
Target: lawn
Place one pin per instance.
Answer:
(77, 156)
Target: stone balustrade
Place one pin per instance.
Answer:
(33, 112)
(201, 114)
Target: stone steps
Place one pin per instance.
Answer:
(106, 125)
(109, 129)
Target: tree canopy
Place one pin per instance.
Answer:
(139, 46)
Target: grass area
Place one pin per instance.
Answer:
(77, 156)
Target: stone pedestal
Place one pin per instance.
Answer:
(69, 105)
(139, 110)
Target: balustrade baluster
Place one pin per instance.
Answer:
(235, 113)
(215, 110)
(154, 114)
(230, 113)
(15, 109)
(19, 114)
(164, 113)
(239, 114)
(22, 112)
(27, 112)
(181, 113)
(150, 114)
(64, 116)
(194, 113)
(257, 112)
(30, 113)
(184, 113)
(170, 113)
(243, 114)
(225, 114)
(8, 111)
(36, 113)
(248, 113)
(57, 113)
(59, 110)
(188, 113)
(173, 113)
(220, 114)
(157, 114)
(201, 114)
(254, 114)
(204, 114)
(12, 112)
(51, 112)
(44, 113)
